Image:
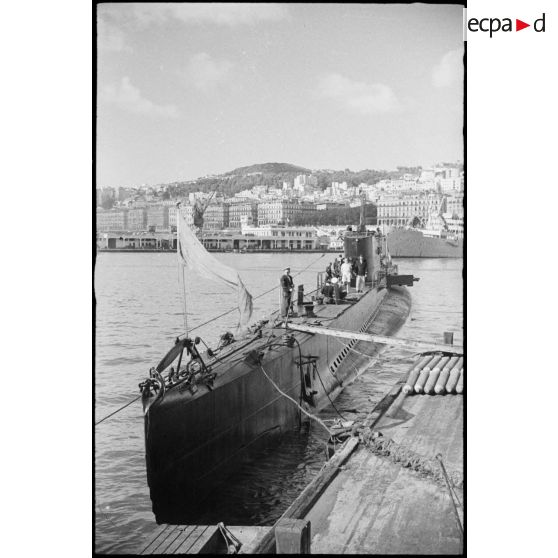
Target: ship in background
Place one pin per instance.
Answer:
(440, 237)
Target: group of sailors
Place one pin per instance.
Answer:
(339, 274)
(341, 271)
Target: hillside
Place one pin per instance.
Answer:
(268, 168)
(274, 174)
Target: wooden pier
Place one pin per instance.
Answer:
(204, 539)
(378, 506)
(395, 488)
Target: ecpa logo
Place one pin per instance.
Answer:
(494, 24)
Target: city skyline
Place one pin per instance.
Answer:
(186, 90)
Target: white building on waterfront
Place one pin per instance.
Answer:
(407, 208)
(269, 237)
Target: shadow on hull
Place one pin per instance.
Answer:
(223, 430)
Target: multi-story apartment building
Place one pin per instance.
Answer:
(137, 219)
(186, 210)
(216, 216)
(282, 212)
(454, 205)
(112, 220)
(401, 209)
(400, 184)
(454, 184)
(158, 217)
(239, 210)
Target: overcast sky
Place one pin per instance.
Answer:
(186, 90)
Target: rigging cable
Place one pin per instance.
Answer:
(318, 373)
(310, 415)
(255, 298)
(208, 322)
(118, 410)
(184, 299)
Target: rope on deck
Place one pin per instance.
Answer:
(429, 468)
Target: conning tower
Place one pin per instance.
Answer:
(367, 244)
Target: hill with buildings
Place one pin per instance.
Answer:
(274, 175)
(278, 194)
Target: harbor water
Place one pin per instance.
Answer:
(140, 311)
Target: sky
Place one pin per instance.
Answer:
(186, 90)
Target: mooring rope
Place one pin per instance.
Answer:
(386, 447)
(451, 491)
(118, 410)
(310, 415)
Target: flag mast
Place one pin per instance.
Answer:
(181, 264)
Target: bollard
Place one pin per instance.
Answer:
(309, 310)
(337, 293)
(448, 337)
(292, 536)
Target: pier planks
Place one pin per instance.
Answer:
(362, 503)
(376, 506)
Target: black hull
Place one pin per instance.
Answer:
(194, 442)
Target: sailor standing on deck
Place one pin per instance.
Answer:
(346, 270)
(287, 287)
(361, 271)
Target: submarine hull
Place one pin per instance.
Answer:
(195, 441)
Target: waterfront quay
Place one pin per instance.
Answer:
(395, 488)
(269, 238)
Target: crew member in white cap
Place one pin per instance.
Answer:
(287, 287)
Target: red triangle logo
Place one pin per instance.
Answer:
(519, 25)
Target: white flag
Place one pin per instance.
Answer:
(198, 260)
